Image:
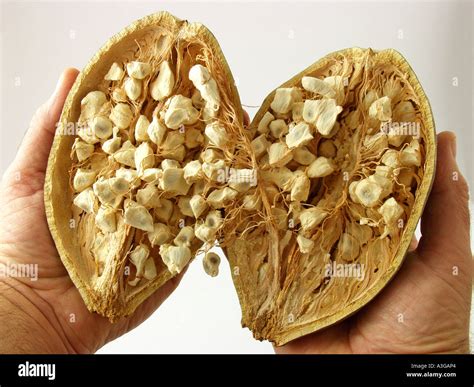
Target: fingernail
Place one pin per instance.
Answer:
(58, 86)
(453, 145)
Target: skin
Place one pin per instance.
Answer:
(49, 316)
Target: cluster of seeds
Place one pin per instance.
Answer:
(340, 156)
(146, 155)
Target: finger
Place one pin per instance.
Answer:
(246, 119)
(34, 149)
(445, 221)
(413, 244)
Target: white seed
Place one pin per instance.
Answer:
(368, 193)
(111, 146)
(138, 70)
(85, 200)
(138, 257)
(336, 83)
(299, 135)
(172, 141)
(210, 155)
(219, 198)
(321, 167)
(83, 179)
(284, 99)
(297, 111)
(160, 235)
(119, 95)
(264, 122)
(121, 115)
(138, 216)
(150, 269)
(279, 155)
(306, 245)
(149, 197)
(391, 158)
(213, 220)
(173, 181)
(184, 237)
(87, 134)
(217, 134)
(198, 205)
(376, 143)
(133, 88)
(168, 163)
(383, 182)
(156, 131)
(92, 103)
(311, 218)
(126, 154)
(175, 258)
(391, 211)
(130, 175)
(141, 127)
(323, 114)
(192, 171)
(210, 93)
(83, 150)
(381, 109)
(318, 86)
(107, 190)
(260, 145)
(162, 86)
(101, 127)
(410, 155)
(144, 157)
(115, 73)
(300, 190)
(214, 170)
(199, 75)
(207, 86)
(278, 128)
(184, 205)
(180, 112)
(384, 171)
(242, 179)
(106, 219)
(163, 213)
(151, 175)
(211, 264)
(404, 112)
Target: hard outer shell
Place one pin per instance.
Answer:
(108, 297)
(268, 300)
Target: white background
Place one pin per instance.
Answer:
(265, 43)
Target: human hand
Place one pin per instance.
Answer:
(47, 315)
(426, 308)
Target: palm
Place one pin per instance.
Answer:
(26, 225)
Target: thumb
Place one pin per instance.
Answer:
(445, 221)
(33, 153)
